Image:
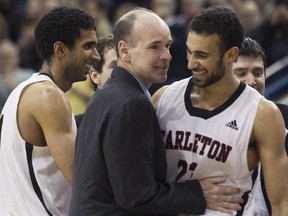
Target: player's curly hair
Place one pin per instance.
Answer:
(61, 24)
(221, 21)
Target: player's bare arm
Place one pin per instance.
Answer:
(157, 95)
(218, 197)
(45, 119)
(269, 134)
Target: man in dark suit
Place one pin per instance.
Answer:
(120, 161)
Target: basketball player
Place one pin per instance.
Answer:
(214, 125)
(37, 127)
(250, 68)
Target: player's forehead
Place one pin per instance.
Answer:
(203, 42)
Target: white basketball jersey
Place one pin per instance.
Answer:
(201, 143)
(30, 181)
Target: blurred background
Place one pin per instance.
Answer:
(263, 20)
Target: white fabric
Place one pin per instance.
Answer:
(216, 146)
(17, 196)
(260, 208)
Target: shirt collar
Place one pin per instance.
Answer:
(143, 87)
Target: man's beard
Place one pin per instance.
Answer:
(217, 74)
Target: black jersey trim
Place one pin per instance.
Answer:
(267, 202)
(245, 196)
(1, 123)
(46, 75)
(206, 114)
(29, 150)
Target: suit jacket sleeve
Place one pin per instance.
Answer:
(134, 159)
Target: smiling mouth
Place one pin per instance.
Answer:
(199, 74)
(164, 68)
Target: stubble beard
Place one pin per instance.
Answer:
(215, 76)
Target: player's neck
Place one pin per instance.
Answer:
(213, 95)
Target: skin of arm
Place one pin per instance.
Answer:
(45, 119)
(157, 95)
(269, 134)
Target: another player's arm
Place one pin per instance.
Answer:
(52, 112)
(269, 134)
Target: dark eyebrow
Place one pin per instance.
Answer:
(197, 51)
(90, 43)
(239, 69)
(258, 68)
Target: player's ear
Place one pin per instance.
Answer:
(59, 48)
(231, 54)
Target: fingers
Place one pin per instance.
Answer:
(216, 180)
(221, 198)
(228, 208)
(232, 199)
(218, 204)
(212, 185)
(229, 190)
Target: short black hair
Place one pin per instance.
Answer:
(103, 44)
(252, 48)
(61, 24)
(221, 21)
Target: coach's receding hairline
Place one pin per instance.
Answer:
(139, 12)
(136, 14)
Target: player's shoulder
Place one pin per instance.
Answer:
(44, 93)
(172, 89)
(266, 105)
(267, 110)
(157, 95)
